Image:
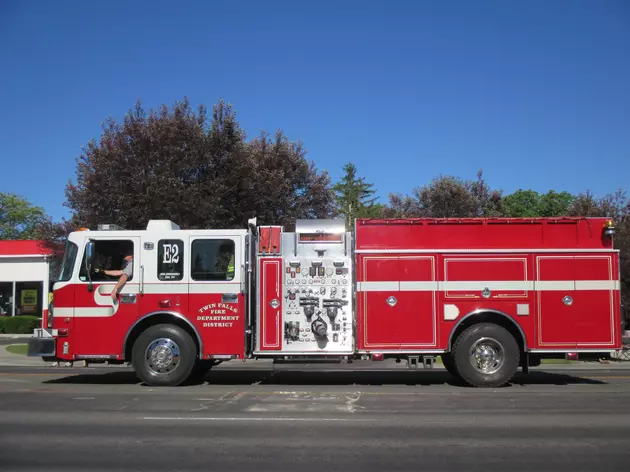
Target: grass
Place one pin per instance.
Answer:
(21, 349)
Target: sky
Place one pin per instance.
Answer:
(534, 93)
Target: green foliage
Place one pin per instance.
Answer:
(2, 320)
(354, 197)
(19, 219)
(555, 203)
(22, 324)
(522, 203)
(531, 204)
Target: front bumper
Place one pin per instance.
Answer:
(42, 344)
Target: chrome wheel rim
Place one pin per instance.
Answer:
(162, 356)
(487, 356)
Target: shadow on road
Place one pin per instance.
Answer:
(377, 378)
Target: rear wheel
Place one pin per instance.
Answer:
(164, 355)
(486, 355)
(449, 364)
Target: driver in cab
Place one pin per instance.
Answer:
(125, 274)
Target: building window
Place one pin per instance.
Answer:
(6, 298)
(212, 259)
(29, 298)
(170, 259)
(108, 255)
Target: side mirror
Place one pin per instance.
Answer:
(90, 252)
(89, 259)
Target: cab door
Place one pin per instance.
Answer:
(100, 323)
(217, 292)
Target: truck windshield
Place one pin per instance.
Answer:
(67, 264)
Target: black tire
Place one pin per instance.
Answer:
(494, 336)
(169, 339)
(449, 364)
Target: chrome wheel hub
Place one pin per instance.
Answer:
(487, 355)
(162, 356)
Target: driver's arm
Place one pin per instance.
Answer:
(112, 273)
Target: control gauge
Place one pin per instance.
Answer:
(329, 271)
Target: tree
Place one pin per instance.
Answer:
(355, 197)
(531, 204)
(555, 203)
(53, 237)
(448, 197)
(176, 164)
(19, 219)
(281, 185)
(522, 203)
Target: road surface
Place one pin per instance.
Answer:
(99, 419)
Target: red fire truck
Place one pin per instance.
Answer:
(487, 295)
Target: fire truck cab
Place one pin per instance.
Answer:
(487, 295)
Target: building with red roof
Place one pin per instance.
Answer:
(24, 277)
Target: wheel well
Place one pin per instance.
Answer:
(495, 317)
(154, 319)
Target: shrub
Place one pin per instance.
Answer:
(2, 318)
(21, 324)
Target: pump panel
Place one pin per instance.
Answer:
(317, 290)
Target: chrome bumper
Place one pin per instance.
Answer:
(42, 344)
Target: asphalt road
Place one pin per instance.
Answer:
(97, 419)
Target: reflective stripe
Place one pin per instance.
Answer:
(505, 285)
(555, 285)
(230, 270)
(418, 286)
(511, 285)
(483, 251)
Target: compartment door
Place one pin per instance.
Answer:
(555, 297)
(396, 302)
(594, 317)
(416, 302)
(377, 292)
(270, 308)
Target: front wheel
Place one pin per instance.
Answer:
(164, 355)
(486, 355)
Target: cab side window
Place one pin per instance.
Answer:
(170, 259)
(212, 259)
(108, 255)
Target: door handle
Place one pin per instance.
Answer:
(229, 297)
(127, 298)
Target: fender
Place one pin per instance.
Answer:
(481, 311)
(169, 313)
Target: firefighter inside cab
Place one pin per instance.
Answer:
(124, 274)
(230, 269)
